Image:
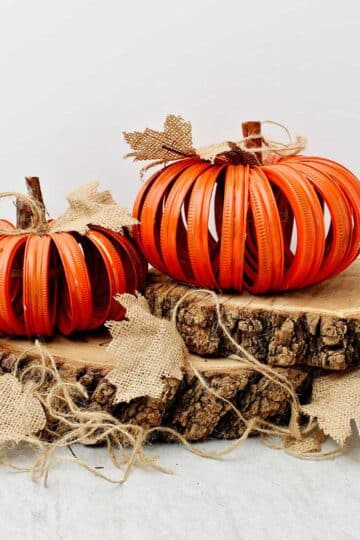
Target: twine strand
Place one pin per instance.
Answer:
(125, 443)
(175, 142)
(247, 359)
(39, 224)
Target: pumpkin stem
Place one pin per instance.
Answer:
(253, 130)
(23, 213)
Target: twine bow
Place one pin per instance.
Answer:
(175, 142)
(87, 206)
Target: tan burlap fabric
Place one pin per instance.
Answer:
(21, 414)
(172, 143)
(175, 142)
(147, 349)
(294, 146)
(87, 207)
(311, 443)
(335, 402)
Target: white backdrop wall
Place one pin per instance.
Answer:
(75, 73)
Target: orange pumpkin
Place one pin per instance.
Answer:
(259, 227)
(64, 281)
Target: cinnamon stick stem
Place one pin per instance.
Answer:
(23, 214)
(250, 129)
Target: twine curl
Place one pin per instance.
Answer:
(39, 224)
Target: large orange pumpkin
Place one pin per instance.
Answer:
(65, 281)
(259, 227)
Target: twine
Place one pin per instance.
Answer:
(175, 142)
(125, 443)
(268, 146)
(246, 361)
(39, 224)
(87, 206)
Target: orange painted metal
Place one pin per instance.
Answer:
(65, 282)
(39, 287)
(11, 313)
(261, 228)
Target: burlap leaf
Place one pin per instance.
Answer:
(237, 152)
(175, 142)
(172, 143)
(334, 403)
(21, 414)
(230, 151)
(88, 206)
(147, 349)
(209, 153)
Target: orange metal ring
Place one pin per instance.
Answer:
(201, 245)
(105, 284)
(233, 228)
(138, 206)
(133, 266)
(309, 221)
(269, 234)
(150, 214)
(11, 296)
(349, 185)
(172, 230)
(339, 237)
(75, 306)
(138, 262)
(39, 307)
(269, 222)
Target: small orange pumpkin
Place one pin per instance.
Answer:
(235, 226)
(64, 281)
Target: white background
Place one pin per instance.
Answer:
(73, 76)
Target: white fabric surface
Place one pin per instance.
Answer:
(255, 494)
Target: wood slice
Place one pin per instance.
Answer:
(317, 326)
(185, 406)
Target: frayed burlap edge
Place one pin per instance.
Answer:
(87, 206)
(147, 350)
(175, 142)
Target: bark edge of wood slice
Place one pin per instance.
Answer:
(317, 326)
(185, 406)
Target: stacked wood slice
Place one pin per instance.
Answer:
(301, 334)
